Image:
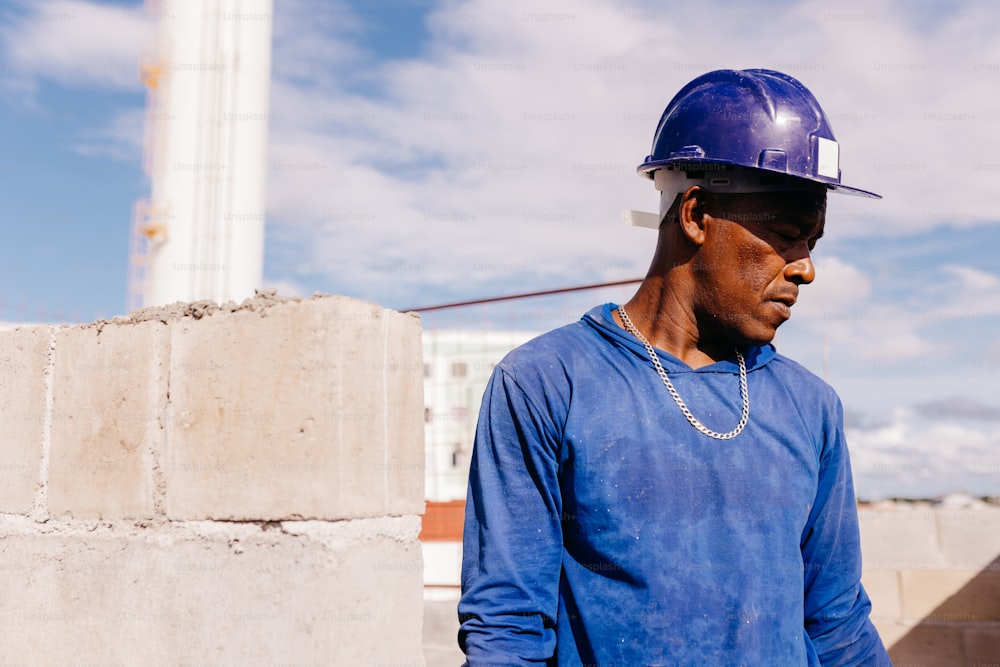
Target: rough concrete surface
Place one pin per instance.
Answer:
(404, 382)
(883, 589)
(151, 465)
(970, 538)
(883, 532)
(930, 595)
(179, 310)
(24, 374)
(240, 447)
(109, 394)
(933, 577)
(982, 645)
(253, 596)
(933, 646)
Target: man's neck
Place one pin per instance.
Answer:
(667, 320)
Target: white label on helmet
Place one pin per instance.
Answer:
(828, 159)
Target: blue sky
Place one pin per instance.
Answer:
(483, 147)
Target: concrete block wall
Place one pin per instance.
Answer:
(214, 485)
(933, 575)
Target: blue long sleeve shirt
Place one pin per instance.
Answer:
(603, 529)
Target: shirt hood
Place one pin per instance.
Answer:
(600, 318)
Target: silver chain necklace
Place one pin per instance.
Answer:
(744, 394)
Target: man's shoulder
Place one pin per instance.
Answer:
(560, 358)
(803, 381)
(552, 348)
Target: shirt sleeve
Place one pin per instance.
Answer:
(512, 552)
(836, 605)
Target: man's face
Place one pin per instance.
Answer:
(755, 257)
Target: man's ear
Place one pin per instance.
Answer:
(692, 215)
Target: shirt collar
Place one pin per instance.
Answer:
(599, 317)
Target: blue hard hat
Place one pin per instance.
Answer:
(754, 118)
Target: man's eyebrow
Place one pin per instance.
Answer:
(803, 225)
(807, 227)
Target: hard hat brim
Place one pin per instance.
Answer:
(648, 168)
(857, 192)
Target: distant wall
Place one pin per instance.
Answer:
(934, 578)
(205, 485)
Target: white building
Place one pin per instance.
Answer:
(457, 366)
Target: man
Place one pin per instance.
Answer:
(654, 484)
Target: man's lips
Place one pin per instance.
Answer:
(787, 297)
(787, 300)
(784, 303)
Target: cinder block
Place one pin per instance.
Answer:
(951, 596)
(284, 413)
(929, 646)
(443, 657)
(890, 631)
(982, 645)
(404, 373)
(260, 598)
(357, 332)
(883, 589)
(24, 358)
(109, 393)
(883, 532)
(970, 538)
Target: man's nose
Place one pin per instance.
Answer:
(800, 271)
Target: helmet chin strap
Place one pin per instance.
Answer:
(641, 219)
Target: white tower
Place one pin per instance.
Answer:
(201, 234)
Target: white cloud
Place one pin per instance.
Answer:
(974, 279)
(76, 43)
(970, 294)
(512, 142)
(959, 407)
(838, 287)
(316, 56)
(916, 457)
(501, 157)
(843, 306)
(927, 336)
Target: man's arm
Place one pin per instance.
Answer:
(836, 604)
(512, 558)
